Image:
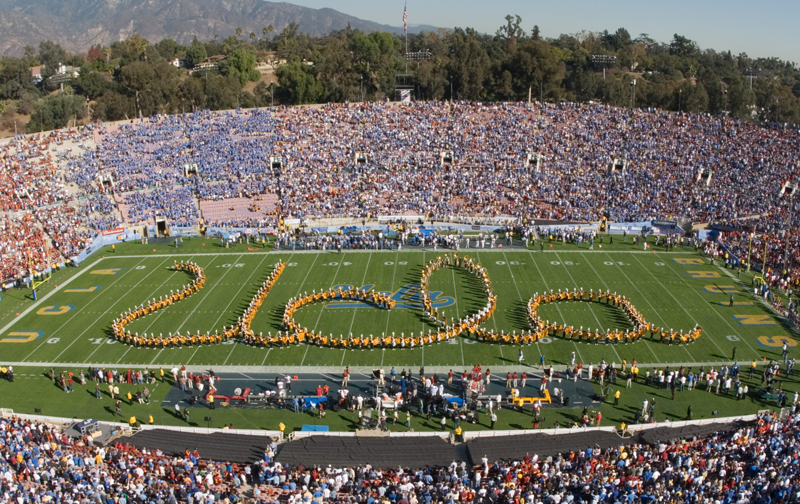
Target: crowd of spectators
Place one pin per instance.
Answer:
(754, 463)
(445, 160)
(377, 158)
(23, 245)
(40, 221)
(176, 205)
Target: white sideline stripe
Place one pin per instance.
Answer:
(370, 251)
(293, 369)
(43, 299)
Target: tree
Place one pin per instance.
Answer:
(138, 79)
(169, 49)
(92, 84)
(55, 112)
(113, 106)
(191, 94)
(51, 55)
(242, 65)
(267, 30)
(432, 76)
(222, 92)
(297, 83)
(195, 54)
(469, 65)
(618, 40)
(94, 54)
(15, 78)
(682, 46)
(533, 64)
(511, 31)
(238, 32)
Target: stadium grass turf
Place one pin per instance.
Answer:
(32, 389)
(673, 290)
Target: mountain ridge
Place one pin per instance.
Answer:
(79, 24)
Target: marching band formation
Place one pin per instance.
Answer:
(640, 326)
(468, 325)
(178, 340)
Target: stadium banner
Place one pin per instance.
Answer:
(409, 219)
(118, 230)
(92, 248)
(665, 223)
(583, 227)
(707, 234)
(182, 231)
(221, 231)
(128, 234)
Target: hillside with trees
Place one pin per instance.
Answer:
(134, 77)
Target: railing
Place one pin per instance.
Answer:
(467, 435)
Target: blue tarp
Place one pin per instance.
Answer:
(312, 402)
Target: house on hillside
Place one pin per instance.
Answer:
(63, 73)
(211, 62)
(36, 74)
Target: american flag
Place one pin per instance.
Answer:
(405, 18)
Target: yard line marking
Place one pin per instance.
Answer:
(533, 259)
(265, 356)
(455, 297)
(46, 296)
(80, 310)
(247, 282)
(300, 289)
(619, 359)
(104, 314)
(362, 283)
(423, 318)
(519, 293)
(691, 288)
(322, 310)
(646, 300)
(270, 349)
(308, 273)
(389, 312)
(158, 288)
(227, 270)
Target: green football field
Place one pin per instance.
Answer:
(69, 325)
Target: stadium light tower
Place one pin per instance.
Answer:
(603, 61)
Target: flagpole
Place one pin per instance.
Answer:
(405, 30)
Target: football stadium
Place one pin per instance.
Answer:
(397, 302)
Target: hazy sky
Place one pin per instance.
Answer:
(760, 28)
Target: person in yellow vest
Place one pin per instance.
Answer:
(282, 428)
(150, 419)
(132, 421)
(113, 248)
(616, 397)
(211, 401)
(130, 398)
(161, 372)
(458, 433)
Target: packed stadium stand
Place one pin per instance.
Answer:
(749, 462)
(450, 161)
